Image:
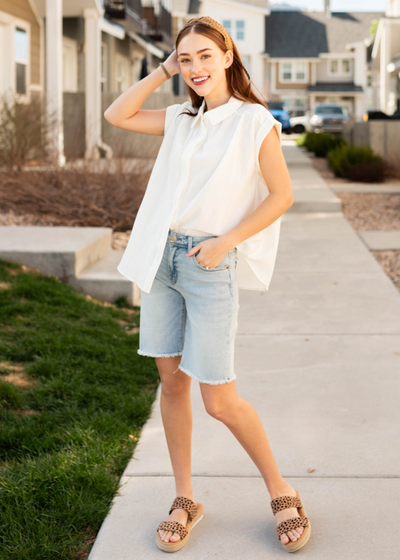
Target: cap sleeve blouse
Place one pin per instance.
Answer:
(206, 176)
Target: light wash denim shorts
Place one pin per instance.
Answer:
(192, 312)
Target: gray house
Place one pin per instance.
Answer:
(319, 57)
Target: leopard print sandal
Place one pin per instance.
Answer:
(286, 502)
(195, 514)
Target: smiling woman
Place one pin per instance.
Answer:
(208, 225)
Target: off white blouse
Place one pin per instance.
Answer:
(205, 181)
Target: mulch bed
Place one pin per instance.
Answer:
(367, 212)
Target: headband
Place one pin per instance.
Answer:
(212, 23)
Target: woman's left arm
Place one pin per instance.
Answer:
(280, 198)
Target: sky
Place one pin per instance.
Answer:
(339, 5)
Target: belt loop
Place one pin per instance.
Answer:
(190, 242)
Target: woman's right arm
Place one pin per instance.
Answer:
(125, 111)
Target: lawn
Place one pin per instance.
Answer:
(74, 396)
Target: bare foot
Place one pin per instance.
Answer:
(285, 514)
(180, 515)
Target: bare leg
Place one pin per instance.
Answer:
(223, 403)
(176, 412)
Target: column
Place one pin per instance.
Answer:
(384, 61)
(92, 83)
(54, 78)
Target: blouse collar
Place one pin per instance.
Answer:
(219, 113)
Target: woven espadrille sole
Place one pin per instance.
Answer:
(293, 546)
(174, 546)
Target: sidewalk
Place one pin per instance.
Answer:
(318, 356)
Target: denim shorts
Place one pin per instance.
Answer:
(192, 312)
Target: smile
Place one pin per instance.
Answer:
(200, 80)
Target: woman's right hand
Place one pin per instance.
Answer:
(171, 64)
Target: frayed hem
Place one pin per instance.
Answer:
(159, 355)
(190, 374)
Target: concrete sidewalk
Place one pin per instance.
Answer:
(318, 356)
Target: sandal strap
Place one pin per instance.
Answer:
(290, 524)
(189, 505)
(285, 502)
(173, 526)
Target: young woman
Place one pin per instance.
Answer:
(207, 226)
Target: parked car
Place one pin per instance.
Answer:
(280, 111)
(328, 118)
(301, 124)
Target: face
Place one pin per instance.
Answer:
(199, 57)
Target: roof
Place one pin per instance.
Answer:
(300, 34)
(334, 87)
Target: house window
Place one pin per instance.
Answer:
(297, 105)
(103, 66)
(300, 71)
(240, 29)
(228, 25)
(287, 71)
(21, 60)
(345, 66)
(334, 66)
(294, 72)
(339, 67)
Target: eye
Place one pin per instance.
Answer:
(185, 59)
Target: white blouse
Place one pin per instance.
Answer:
(205, 181)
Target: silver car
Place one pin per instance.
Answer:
(328, 118)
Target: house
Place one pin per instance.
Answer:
(318, 57)
(76, 52)
(386, 60)
(245, 22)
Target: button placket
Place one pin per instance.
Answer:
(185, 169)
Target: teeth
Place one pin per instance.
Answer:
(198, 80)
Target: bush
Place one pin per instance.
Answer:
(321, 143)
(356, 164)
(24, 129)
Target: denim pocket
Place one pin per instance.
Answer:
(223, 265)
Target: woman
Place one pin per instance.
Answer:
(207, 226)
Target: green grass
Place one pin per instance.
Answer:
(300, 140)
(74, 395)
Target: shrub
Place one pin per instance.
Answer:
(356, 164)
(321, 143)
(24, 129)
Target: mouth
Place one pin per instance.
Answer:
(200, 80)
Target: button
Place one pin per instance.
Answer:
(173, 238)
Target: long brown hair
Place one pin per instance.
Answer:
(237, 77)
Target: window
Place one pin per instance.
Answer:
(294, 72)
(227, 24)
(339, 67)
(240, 30)
(21, 60)
(345, 66)
(300, 71)
(287, 71)
(296, 105)
(334, 66)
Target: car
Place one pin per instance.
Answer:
(280, 112)
(328, 118)
(300, 124)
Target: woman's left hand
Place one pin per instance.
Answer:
(212, 252)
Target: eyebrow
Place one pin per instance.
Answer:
(201, 50)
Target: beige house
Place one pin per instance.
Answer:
(386, 60)
(76, 52)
